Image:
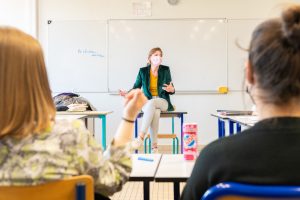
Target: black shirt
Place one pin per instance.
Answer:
(267, 153)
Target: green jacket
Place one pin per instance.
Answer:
(164, 77)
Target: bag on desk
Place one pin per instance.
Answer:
(65, 101)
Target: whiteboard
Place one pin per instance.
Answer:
(239, 31)
(77, 56)
(194, 49)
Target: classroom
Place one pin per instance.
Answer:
(94, 48)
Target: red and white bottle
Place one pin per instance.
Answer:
(190, 141)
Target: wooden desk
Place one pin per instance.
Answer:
(174, 168)
(144, 170)
(92, 114)
(166, 114)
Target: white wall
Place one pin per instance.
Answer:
(198, 106)
(20, 14)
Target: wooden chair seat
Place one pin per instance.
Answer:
(73, 188)
(164, 136)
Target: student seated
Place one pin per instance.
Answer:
(34, 147)
(268, 153)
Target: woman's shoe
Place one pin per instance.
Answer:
(154, 150)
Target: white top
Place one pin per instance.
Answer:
(174, 167)
(219, 115)
(69, 117)
(144, 168)
(246, 120)
(88, 113)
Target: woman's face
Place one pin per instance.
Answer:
(156, 58)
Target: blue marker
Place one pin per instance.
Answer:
(145, 159)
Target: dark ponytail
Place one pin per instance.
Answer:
(275, 57)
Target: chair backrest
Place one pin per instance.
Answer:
(237, 191)
(73, 188)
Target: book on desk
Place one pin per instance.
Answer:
(234, 112)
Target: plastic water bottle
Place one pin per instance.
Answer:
(190, 141)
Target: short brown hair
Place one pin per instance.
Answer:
(26, 104)
(152, 51)
(274, 56)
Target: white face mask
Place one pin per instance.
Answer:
(156, 60)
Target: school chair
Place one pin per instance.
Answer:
(175, 146)
(238, 191)
(73, 188)
(173, 136)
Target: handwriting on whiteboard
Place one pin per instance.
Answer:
(90, 52)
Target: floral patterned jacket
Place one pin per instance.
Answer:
(68, 149)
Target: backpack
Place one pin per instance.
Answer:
(67, 101)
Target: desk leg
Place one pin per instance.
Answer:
(181, 128)
(224, 128)
(136, 128)
(173, 140)
(221, 127)
(103, 118)
(176, 188)
(86, 123)
(231, 127)
(238, 128)
(146, 190)
(136, 131)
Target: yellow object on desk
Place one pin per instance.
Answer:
(223, 89)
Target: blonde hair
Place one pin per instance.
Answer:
(152, 51)
(26, 105)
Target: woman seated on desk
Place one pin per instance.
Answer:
(267, 153)
(35, 148)
(157, 86)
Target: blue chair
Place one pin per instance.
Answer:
(237, 191)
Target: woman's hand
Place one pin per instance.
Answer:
(134, 101)
(122, 92)
(169, 88)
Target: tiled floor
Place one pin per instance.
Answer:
(158, 191)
